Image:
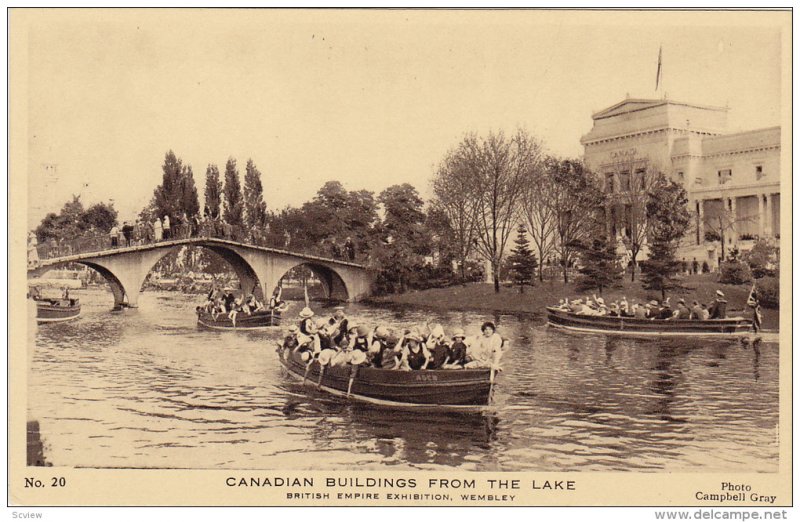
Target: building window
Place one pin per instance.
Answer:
(680, 176)
(624, 182)
(759, 171)
(610, 183)
(724, 176)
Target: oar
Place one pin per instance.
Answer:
(321, 373)
(491, 383)
(308, 368)
(353, 372)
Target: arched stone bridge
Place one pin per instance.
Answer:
(260, 268)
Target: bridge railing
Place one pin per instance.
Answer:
(102, 242)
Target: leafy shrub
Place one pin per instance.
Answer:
(734, 273)
(768, 289)
(763, 260)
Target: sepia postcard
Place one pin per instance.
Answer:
(400, 257)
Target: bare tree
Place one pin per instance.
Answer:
(723, 223)
(576, 201)
(633, 180)
(456, 202)
(536, 212)
(498, 169)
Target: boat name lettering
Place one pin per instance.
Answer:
(427, 377)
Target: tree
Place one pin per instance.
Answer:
(522, 259)
(189, 202)
(536, 212)
(232, 190)
(667, 208)
(404, 240)
(100, 216)
(498, 167)
(636, 177)
(454, 200)
(599, 264)
(255, 210)
(721, 224)
(168, 195)
(576, 202)
(213, 192)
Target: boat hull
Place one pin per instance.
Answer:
(57, 311)
(629, 326)
(256, 320)
(424, 389)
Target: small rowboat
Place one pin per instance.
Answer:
(57, 310)
(459, 389)
(255, 320)
(629, 326)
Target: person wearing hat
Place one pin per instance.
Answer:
(697, 311)
(392, 354)
(290, 342)
(306, 325)
(718, 310)
(339, 321)
(665, 312)
(361, 341)
(437, 347)
(682, 311)
(457, 354)
(414, 355)
(486, 349)
(640, 311)
(575, 306)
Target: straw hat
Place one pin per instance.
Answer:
(362, 330)
(320, 323)
(325, 356)
(600, 300)
(381, 332)
(293, 329)
(414, 336)
(719, 293)
(437, 331)
(358, 357)
(306, 312)
(305, 356)
(653, 303)
(459, 332)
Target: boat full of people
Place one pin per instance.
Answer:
(49, 310)
(654, 318)
(223, 310)
(417, 368)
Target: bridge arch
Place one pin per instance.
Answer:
(333, 283)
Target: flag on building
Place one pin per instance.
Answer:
(658, 69)
(752, 302)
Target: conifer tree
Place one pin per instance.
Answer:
(255, 210)
(234, 206)
(213, 192)
(599, 264)
(522, 259)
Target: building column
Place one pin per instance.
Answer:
(769, 224)
(701, 232)
(734, 228)
(761, 231)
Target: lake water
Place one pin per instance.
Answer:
(148, 389)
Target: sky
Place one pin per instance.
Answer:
(369, 98)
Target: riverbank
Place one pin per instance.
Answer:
(481, 296)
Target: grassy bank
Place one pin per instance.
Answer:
(480, 296)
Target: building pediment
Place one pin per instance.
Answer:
(627, 105)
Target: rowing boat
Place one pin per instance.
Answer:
(244, 321)
(458, 389)
(57, 310)
(630, 326)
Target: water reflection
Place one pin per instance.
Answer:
(147, 388)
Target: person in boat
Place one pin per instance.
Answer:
(325, 347)
(290, 342)
(391, 357)
(718, 310)
(35, 293)
(414, 355)
(665, 312)
(624, 308)
(361, 341)
(486, 350)
(379, 345)
(437, 348)
(575, 306)
(65, 293)
(457, 351)
(682, 311)
(696, 312)
(339, 322)
(275, 302)
(306, 325)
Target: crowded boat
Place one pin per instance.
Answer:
(683, 310)
(338, 341)
(223, 309)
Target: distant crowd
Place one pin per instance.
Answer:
(698, 311)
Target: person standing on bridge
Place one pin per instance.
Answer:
(127, 232)
(113, 234)
(158, 230)
(167, 229)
